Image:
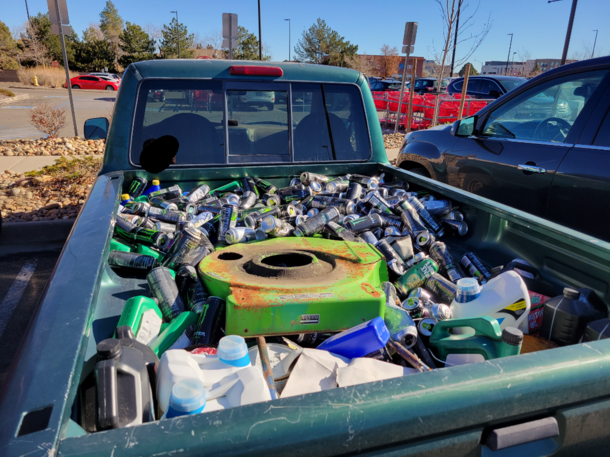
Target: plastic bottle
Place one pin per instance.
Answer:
(566, 316)
(358, 341)
(504, 298)
(188, 397)
(597, 330)
(143, 316)
(173, 331)
(125, 198)
(116, 245)
(154, 188)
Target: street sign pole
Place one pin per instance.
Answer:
(230, 37)
(63, 49)
(408, 42)
(229, 27)
(402, 89)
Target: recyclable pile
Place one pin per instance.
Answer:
(186, 351)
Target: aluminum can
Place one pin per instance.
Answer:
(416, 276)
(316, 223)
(354, 191)
(240, 235)
(252, 219)
(475, 267)
(337, 185)
(198, 193)
(307, 178)
(209, 323)
(366, 181)
(131, 260)
(276, 227)
(136, 187)
(444, 289)
(248, 200)
(365, 223)
(264, 186)
(164, 289)
(440, 253)
(186, 249)
(437, 311)
(428, 219)
(334, 231)
(375, 201)
(369, 237)
(250, 185)
(460, 227)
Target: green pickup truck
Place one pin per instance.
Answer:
(323, 121)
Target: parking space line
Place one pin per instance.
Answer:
(14, 294)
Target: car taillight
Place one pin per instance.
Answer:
(255, 70)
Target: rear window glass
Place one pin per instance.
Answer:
(320, 122)
(510, 84)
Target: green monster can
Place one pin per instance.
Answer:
(416, 276)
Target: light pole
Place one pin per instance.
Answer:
(177, 31)
(569, 32)
(512, 63)
(457, 26)
(594, 43)
(509, 48)
(289, 39)
(260, 36)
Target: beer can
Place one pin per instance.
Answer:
(240, 235)
(416, 276)
(131, 260)
(136, 187)
(198, 193)
(164, 289)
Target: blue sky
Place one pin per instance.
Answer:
(538, 27)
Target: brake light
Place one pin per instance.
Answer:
(255, 70)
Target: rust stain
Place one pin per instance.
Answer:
(370, 289)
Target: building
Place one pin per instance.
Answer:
(499, 67)
(372, 65)
(541, 65)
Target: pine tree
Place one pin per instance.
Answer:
(8, 49)
(136, 45)
(473, 71)
(111, 25)
(169, 42)
(93, 53)
(40, 27)
(322, 45)
(247, 46)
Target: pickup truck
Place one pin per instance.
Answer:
(446, 411)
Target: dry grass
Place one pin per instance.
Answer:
(6, 93)
(49, 77)
(48, 120)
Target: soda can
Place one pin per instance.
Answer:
(271, 200)
(228, 220)
(438, 207)
(441, 254)
(460, 227)
(354, 191)
(428, 219)
(366, 181)
(276, 227)
(186, 249)
(164, 289)
(454, 215)
(307, 178)
(210, 323)
(416, 276)
(425, 326)
(248, 200)
(337, 185)
(165, 227)
(252, 219)
(131, 260)
(136, 187)
(334, 231)
(391, 231)
(250, 185)
(375, 201)
(365, 223)
(240, 235)
(475, 267)
(438, 312)
(368, 237)
(444, 289)
(198, 193)
(316, 223)
(264, 186)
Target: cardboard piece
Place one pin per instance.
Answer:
(363, 370)
(315, 371)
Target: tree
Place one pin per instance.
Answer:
(247, 46)
(322, 45)
(40, 46)
(93, 32)
(8, 49)
(111, 25)
(389, 61)
(169, 42)
(93, 53)
(473, 71)
(136, 45)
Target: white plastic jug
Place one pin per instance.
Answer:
(504, 298)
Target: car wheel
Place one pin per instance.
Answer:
(475, 182)
(109, 88)
(75, 86)
(270, 106)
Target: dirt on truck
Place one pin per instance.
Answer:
(247, 279)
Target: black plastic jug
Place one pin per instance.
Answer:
(597, 330)
(566, 316)
(124, 396)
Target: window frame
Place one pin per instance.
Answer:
(238, 81)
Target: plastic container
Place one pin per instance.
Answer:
(173, 331)
(125, 198)
(504, 298)
(468, 289)
(232, 350)
(143, 316)
(597, 330)
(116, 245)
(154, 188)
(188, 397)
(400, 325)
(566, 316)
(358, 341)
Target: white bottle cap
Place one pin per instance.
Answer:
(467, 290)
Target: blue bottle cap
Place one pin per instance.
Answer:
(232, 350)
(188, 397)
(467, 290)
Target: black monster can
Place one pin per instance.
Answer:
(164, 289)
(131, 260)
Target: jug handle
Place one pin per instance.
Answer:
(483, 326)
(521, 266)
(107, 407)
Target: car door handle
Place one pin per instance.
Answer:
(528, 432)
(531, 168)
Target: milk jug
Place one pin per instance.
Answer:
(504, 298)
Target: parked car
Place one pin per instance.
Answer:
(485, 86)
(543, 148)
(94, 82)
(106, 75)
(256, 98)
(429, 85)
(384, 85)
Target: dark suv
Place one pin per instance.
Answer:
(486, 86)
(543, 148)
(384, 85)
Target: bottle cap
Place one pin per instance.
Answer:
(109, 348)
(125, 197)
(512, 336)
(232, 350)
(188, 397)
(571, 293)
(155, 182)
(467, 290)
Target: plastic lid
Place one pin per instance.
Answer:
(125, 197)
(108, 349)
(467, 290)
(188, 397)
(232, 349)
(512, 336)
(155, 182)
(571, 293)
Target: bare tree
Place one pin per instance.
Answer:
(389, 60)
(213, 42)
(34, 49)
(93, 32)
(154, 32)
(363, 63)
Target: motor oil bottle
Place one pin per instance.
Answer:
(173, 331)
(143, 316)
(504, 298)
(155, 187)
(597, 330)
(488, 340)
(566, 316)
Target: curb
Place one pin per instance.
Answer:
(14, 99)
(57, 88)
(18, 237)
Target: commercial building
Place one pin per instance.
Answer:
(499, 67)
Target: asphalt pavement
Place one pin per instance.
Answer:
(14, 117)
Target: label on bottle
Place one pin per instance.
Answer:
(516, 309)
(149, 328)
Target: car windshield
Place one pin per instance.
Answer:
(320, 122)
(510, 84)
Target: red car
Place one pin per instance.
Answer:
(94, 82)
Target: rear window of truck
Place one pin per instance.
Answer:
(231, 122)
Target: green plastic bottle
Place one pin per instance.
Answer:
(116, 245)
(173, 331)
(489, 340)
(141, 198)
(141, 249)
(226, 188)
(144, 317)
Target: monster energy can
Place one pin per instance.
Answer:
(198, 193)
(131, 260)
(164, 289)
(136, 187)
(228, 220)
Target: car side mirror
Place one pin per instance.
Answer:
(96, 129)
(464, 127)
